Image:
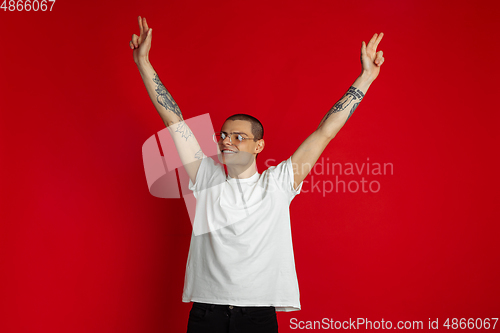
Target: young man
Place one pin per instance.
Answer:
(241, 270)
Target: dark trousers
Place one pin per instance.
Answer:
(213, 318)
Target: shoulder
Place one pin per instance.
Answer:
(210, 172)
(280, 167)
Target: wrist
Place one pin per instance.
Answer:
(366, 77)
(363, 82)
(142, 62)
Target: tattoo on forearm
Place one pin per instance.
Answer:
(352, 110)
(164, 98)
(353, 95)
(198, 155)
(184, 130)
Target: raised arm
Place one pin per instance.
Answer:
(311, 149)
(187, 146)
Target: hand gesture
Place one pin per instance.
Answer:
(141, 44)
(371, 60)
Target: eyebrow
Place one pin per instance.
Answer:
(236, 133)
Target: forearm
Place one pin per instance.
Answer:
(337, 116)
(185, 142)
(164, 103)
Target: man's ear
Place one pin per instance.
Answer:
(260, 146)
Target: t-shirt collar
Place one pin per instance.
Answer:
(254, 177)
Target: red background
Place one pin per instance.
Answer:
(84, 247)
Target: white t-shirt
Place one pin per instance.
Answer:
(246, 258)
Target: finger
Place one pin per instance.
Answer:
(145, 24)
(135, 40)
(379, 56)
(372, 41)
(363, 48)
(380, 36)
(147, 38)
(141, 28)
(381, 61)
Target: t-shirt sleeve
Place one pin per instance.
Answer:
(209, 174)
(283, 173)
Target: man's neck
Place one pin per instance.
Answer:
(242, 171)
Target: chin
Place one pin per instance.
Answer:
(229, 159)
(223, 159)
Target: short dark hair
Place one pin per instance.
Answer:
(257, 128)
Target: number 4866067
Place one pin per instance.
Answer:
(27, 5)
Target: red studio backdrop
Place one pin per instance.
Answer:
(84, 246)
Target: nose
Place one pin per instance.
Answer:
(227, 140)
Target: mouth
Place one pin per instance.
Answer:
(228, 151)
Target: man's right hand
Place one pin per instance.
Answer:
(141, 44)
